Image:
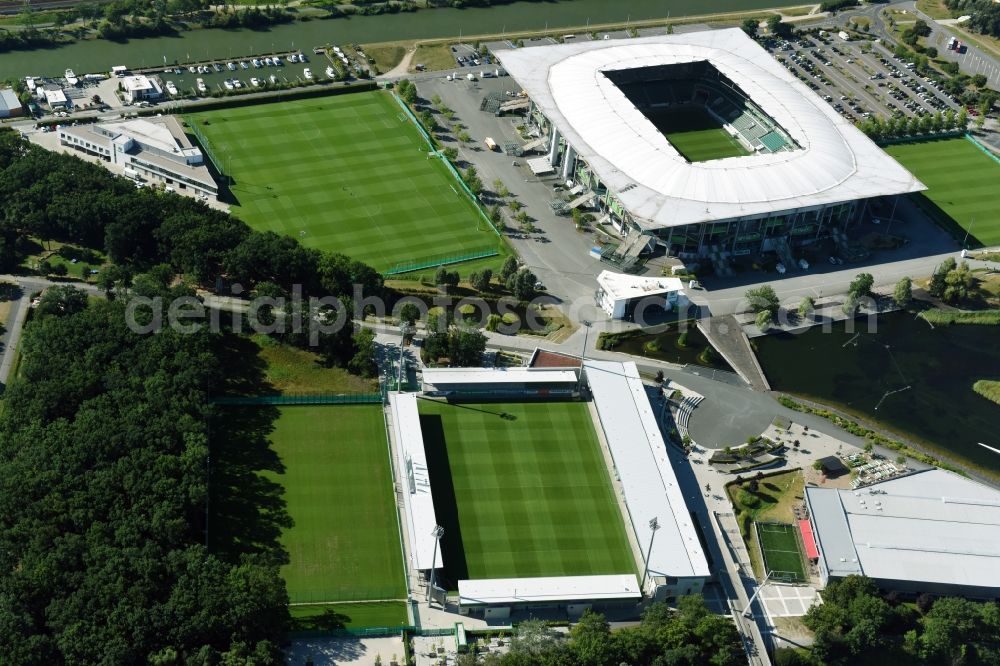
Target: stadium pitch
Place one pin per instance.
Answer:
(961, 180)
(347, 173)
(780, 551)
(318, 488)
(522, 490)
(696, 135)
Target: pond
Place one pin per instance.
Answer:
(664, 347)
(905, 375)
(100, 55)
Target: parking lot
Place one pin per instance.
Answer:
(861, 79)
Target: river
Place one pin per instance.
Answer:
(100, 55)
(911, 378)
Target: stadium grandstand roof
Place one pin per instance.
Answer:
(451, 376)
(489, 591)
(412, 463)
(931, 527)
(835, 163)
(648, 480)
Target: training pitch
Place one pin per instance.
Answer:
(696, 135)
(343, 543)
(961, 180)
(780, 550)
(347, 173)
(522, 490)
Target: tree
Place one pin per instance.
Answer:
(427, 120)
(861, 287)
(532, 638)
(509, 268)
(979, 80)
(750, 26)
(481, 281)
(764, 320)
(471, 178)
(763, 298)
(61, 301)
(363, 361)
(903, 293)
(937, 284)
(592, 642)
(409, 313)
(806, 306)
(407, 91)
(466, 347)
(450, 154)
(777, 27)
(960, 284)
(445, 278)
(522, 284)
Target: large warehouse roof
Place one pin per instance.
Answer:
(836, 163)
(932, 527)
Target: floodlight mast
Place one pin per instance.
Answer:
(654, 525)
(583, 356)
(437, 533)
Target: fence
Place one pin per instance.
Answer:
(409, 267)
(983, 148)
(920, 138)
(372, 632)
(294, 399)
(206, 147)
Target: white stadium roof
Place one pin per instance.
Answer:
(930, 527)
(547, 589)
(836, 162)
(648, 480)
(451, 376)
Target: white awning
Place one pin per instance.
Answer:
(540, 166)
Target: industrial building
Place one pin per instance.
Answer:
(932, 531)
(10, 105)
(147, 149)
(604, 109)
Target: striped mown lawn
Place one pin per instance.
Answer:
(312, 482)
(962, 182)
(347, 173)
(522, 490)
(696, 134)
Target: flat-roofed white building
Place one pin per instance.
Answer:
(676, 561)
(137, 88)
(10, 105)
(54, 96)
(480, 382)
(620, 295)
(497, 597)
(154, 149)
(933, 531)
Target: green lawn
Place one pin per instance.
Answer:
(696, 135)
(347, 173)
(961, 181)
(781, 550)
(350, 616)
(522, 490)
(316, 480)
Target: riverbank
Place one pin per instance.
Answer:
(499, 22)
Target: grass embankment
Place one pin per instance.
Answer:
(934, 8)
(386, 56)
(875, 438)
(300, 372)
(975, 317)
(988, 389)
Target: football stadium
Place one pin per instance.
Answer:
(702, 144)
(517, 495)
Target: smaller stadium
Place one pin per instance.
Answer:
(518, 495)
(703, 145)
(779, 548)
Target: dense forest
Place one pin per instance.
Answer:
(103, 451)
(985, 14)
(858, 624)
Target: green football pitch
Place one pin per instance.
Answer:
(347, 173)
(962, 182)
(318, 484)
(696, 135)
(522, 490)
(780, 550)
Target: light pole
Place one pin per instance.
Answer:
(437, 533)
(968, 231)
(654, 525)
(583, 357)
(402, 339)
